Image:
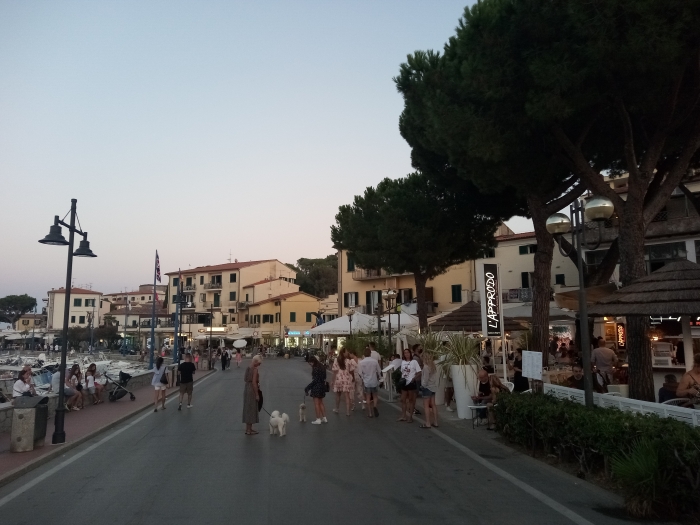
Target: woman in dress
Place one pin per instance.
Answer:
(359, 391)
(430, 378)
(251, 395)
(238, 358)
(343, 380)
(158, 371)
(317, 389)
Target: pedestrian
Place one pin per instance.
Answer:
(71, 395)
(251, 395)
(159, 382)
(430, 377)
(343, 380)
(224, 359)
(94, 388)
(196, 359)
(317, 390)
(409, 388)
(23, 385)
(520, 383)
(239, 357)
(690, 382)
(370, 373)
(488, 388)
(76, 381)
(186, 371)
(604, 359)
(358, 392)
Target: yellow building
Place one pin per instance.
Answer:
(290, 315)
(144, 295)
(84, 304)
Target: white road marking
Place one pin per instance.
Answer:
(532, 491)
(24, 488)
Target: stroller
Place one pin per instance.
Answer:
(120, 387)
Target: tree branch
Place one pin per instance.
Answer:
(601, 275)
(570, 196)
(628, 149)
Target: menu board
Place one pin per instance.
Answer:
(532, 365)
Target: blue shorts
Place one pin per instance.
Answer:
(426, 392)
(371, 389)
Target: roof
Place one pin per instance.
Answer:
(467, 318)
(283, 297)
(75, 290)
(221, 267)
(141, 310)
(515, 236)
(131, 293)
(262, 282)
(671, 290)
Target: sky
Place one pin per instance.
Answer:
(205, 130)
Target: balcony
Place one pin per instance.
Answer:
(212, 286)
(166, 323)
(243, 305)
(189, 288)
(360, 274)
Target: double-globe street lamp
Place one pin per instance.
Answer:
(596, 209)
(55, 238)
(390, 297)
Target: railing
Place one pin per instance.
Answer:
(517, 295)
(360, 274)
(244, 304)
(212, 286)
(160, 324)
(189, 288)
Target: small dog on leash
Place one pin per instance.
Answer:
(278, 423)
(302, 413)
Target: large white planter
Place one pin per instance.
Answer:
(464, 379)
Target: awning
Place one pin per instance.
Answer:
(341, 325)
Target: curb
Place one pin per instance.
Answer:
(61, 449)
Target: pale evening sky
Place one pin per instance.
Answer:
(196, 128)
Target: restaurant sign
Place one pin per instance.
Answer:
(621, 336)
(491, 314)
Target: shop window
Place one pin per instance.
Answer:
(77, 302)
(456, 293)
(292, 317)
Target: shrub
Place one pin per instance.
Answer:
(656, 461)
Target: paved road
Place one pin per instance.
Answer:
(197, 466)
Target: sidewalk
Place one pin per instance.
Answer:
(80, 427)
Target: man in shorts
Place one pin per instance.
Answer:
(186, 370)
(369, 371)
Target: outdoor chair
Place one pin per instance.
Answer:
(510, 386)
(679, 402)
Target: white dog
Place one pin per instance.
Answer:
(278, 423)
(302, 413)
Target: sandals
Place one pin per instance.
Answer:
(424, 426)
(401, 419)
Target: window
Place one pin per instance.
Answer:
(37, 322)
(223, 319)
(373, 299)
(176, 281)
(133, 323)
(560, 278)
(277, 317)
(232, 278)
(351, 299)
(267, 318)
(72, 318)
(525, 279)
(81, 319)
(233, 318)
(489, 253)
(217, 297)
(246, 298)
(142, 298)
(658, 255)
(232, 296)
(149, 297)
(308, 317)
(201, 279)
(202, 297)
(188, 281)
(216, 279)
(89, 302)
(256, 319)
(246, 317)
(527, 248)
(351, 263)
(405, 296)
(175, 298)
(456, 293)
(292, 317)
(77, 302)
(25, 321)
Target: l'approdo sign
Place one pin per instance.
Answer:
(491, 321)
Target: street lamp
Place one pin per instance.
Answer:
(55, 238)
(597, 209)
(350, 314)
(389, 297)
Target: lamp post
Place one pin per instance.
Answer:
(33, 325)
(596, 209)
(389, 297)
(350, 314)
(55, 238)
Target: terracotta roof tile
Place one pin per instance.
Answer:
(262, 282)
(221, 267)
(75, 290)
(282, 297)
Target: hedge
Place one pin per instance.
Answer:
(655, 461)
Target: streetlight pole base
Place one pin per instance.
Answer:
(59, 434)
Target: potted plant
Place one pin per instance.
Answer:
(460, 357)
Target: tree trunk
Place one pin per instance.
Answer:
(541, 288)
(632, 267)
(421, 307)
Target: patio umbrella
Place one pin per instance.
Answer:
(673, 290)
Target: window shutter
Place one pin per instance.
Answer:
(368, 298)
(346, 298)
(429, 294)
(524, 280)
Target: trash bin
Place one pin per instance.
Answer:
(29, 419)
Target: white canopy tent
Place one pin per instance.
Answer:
(399, 321)
(341, 325)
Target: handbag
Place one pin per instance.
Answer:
(164, 378)
(327, 386)
(260, 399)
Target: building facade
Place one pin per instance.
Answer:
(286, 319)
(86, 307)
(144, 295)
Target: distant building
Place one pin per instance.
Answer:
(85, 305)
(144, 295)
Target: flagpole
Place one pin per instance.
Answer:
(176, 345)
(153, 314)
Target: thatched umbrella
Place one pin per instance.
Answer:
(467, 318)
(673, 290)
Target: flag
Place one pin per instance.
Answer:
(157, 267)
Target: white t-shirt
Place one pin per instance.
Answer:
(409, 369)
(368, 370)
(375, 355)
(90, 381)
(19, 388)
